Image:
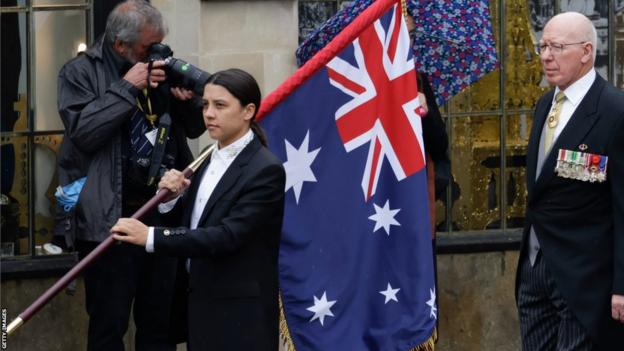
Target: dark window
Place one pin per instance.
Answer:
(38, 37)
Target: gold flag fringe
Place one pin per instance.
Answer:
(428, 345)
(283, 326)
(404, 10)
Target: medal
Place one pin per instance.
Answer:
(552, 119)
(587, 160)
(594, 168)
(574, 174)
(581, 166)
(560, 162)
(602, 174)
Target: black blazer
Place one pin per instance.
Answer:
(580, 225)
(233, 281)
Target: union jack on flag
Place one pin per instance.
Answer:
(356, 272)
(382, 112)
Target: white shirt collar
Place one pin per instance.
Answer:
(231, 151)
(577, 90)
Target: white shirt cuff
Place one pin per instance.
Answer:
(149, 245)
(167, 206)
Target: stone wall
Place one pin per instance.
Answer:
(259, 37)
(476, 305)
(61, 325)
(476, 308)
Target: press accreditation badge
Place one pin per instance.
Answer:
(151, 136)
(581, 166)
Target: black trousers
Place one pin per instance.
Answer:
(546, 322)
(126, 277)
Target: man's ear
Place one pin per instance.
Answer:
(250, 109)
(119, 47)
(587, 53)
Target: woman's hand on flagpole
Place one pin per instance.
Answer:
(175, 181)
(131, 231)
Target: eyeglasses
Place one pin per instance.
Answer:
(555, 48)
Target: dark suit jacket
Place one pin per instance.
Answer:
(580, 225)
(233, 281)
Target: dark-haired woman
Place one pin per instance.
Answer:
(231, 217)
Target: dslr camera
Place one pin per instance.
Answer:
(179, 72)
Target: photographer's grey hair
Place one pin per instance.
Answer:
(127, 19)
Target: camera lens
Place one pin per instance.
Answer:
(179, 72)
(183, 74)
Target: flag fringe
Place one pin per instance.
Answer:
(429, 344)
(289, 345)
(287, 340)
(404, 10)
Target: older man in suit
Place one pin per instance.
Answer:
(570, 281)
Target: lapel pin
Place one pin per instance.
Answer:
(583, 147)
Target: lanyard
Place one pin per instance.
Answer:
(158, 152)
(151, 117)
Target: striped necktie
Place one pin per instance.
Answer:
(143, 121)
(552, 121)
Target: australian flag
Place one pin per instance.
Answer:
(355, 261)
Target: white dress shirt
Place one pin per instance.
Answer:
(574, 94)
(220, 161)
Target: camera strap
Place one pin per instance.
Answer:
(164, 126)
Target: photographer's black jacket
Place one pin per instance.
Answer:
(95, 105)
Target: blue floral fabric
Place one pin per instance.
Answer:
(328, 30)
(453, 41)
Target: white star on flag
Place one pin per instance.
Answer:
(432, 303)
(384, 217)
(298, 165)
(390, 294)
(321, 308)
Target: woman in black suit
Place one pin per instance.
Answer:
(231, 218)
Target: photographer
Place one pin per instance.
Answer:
(124, 126)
